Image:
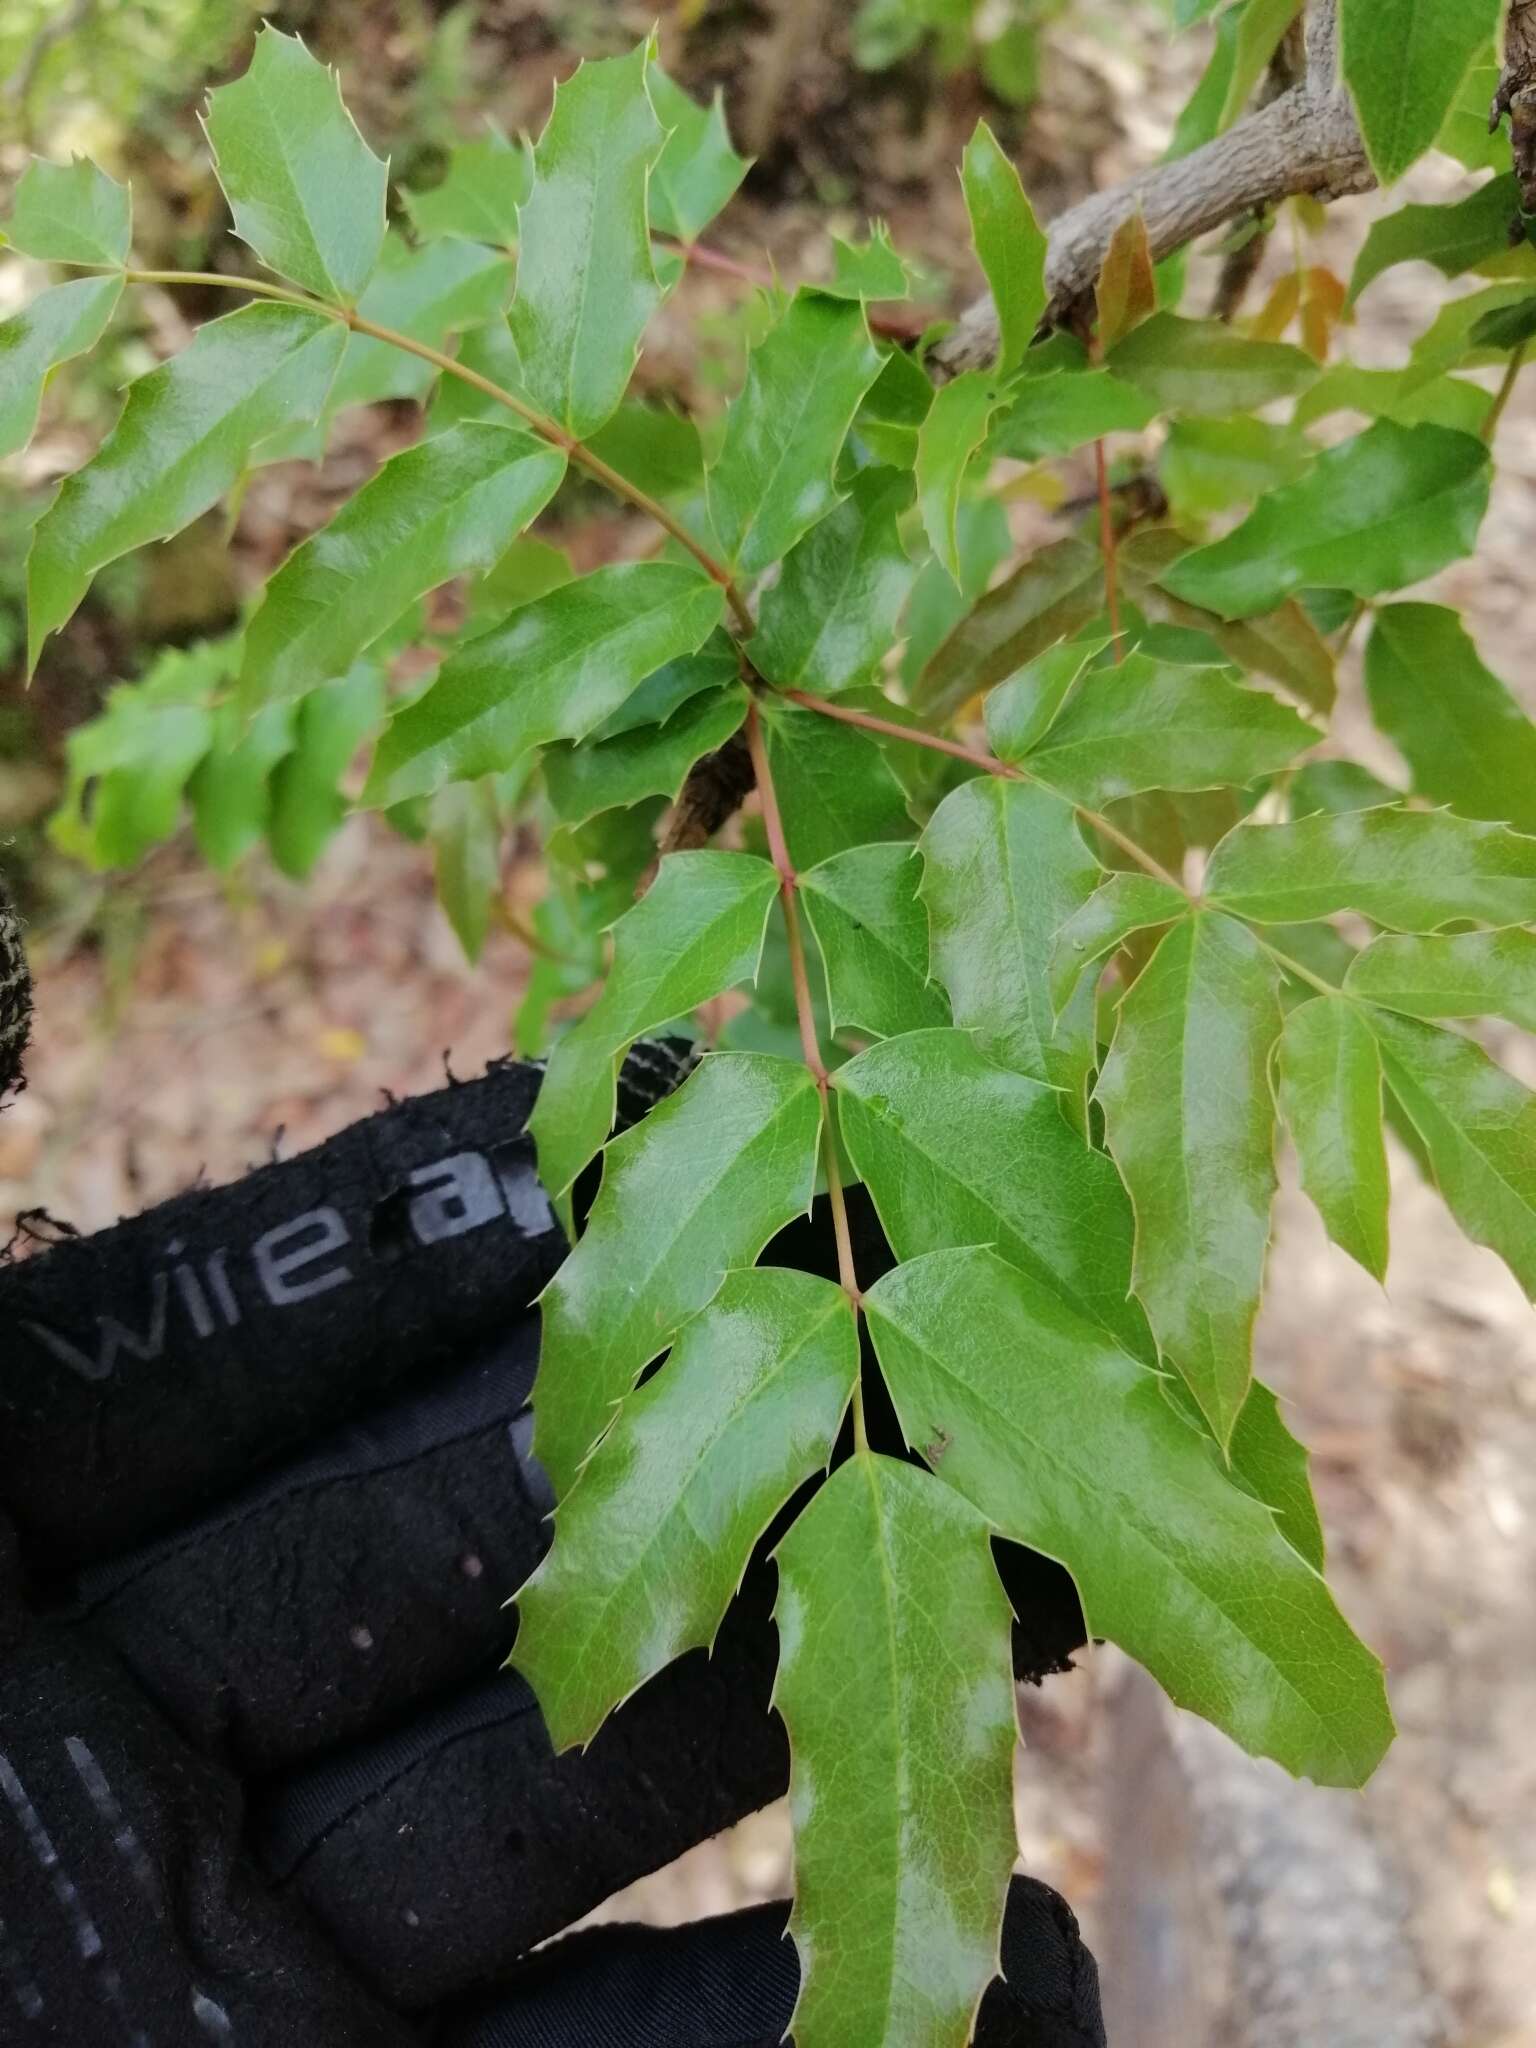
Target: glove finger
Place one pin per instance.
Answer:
(732, 1983)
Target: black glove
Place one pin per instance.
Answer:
(264, 1458)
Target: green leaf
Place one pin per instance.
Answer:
(1404, 61)
(1395, 395)
(774, 477)
(1009, 241)
(716, 666)
(129, 766)
(182, 441)
(1330, 1096)
(306, 191)
(1388, 508)
(698, 171)
(656, 449)
(1055, 593)
(307, 805)
(650, 760)
(1465, 738)
(555, 670)
(1126, 293)
(696, 932)
(477, 200)
(952, 434)
(957, 1151)
(1148, 724)
(835, 789)
(231, 800)
(1465, 134)
(1506, 327)
(585, 282)
(1054, 413)
(1478, 1124)
(446, 507)
(1069, 1446)
(62, 322)
(832, 615)
(1261, 24)
(1412, 871)
(873, 935)
(651, 1546)
(1464, 974)
(1453, 238)
(1208, 466)
(1190, 1121)
(895, 1688)
(1004, 867)
(1447, 344)
(70, 213)
(1126, 904)
(697, 1188)
(1019, 713)
(868, 270)
(1269, 1461)
(1206, 368)
(430, 294)
(464, 826)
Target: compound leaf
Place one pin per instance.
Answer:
(652, 1544)
(62, 322)
(835, 788)
(1020, 712)
(1069, 1445)
(873, 934)
(306, 191)
(1190, 1121)
(447, 507)
(1330, 1096)
(697, 1188)
(557, 668)
(895, 1687)
(1467, 974)
(1009, 241)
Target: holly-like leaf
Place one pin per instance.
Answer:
(947, 441)
(832, 615)
(893, 1638)
(1004, 867)
(873, 934)
(649, 760)
(447, 507)
(229, 791)
(1009, 241)
(1463, 974)
(1478, 1126)
(1150, 724)
(715, 667)
(1412, 871)
(1053, 413)
(1068, 1445)
(1126, 904)
(1330, 1095)
(1386, 509)
(1399, 395)
(956, 1151)
(306, 191)
(183, 438)
(1452, 238)
(1461, 731)
(652, 1544)
(698, 171)
(555, 670)
(834, 786)
(1206, 368)
(1190, 1120)
(70, 213)
(62, 322)
(478, 197)
(1127, 289)
(1053, 595)
(1020, 712)
(1210, 465)
(464, 826)
(430, 294)
(1404, 61)
(697, 931)
(697, 1188)
(656, 449)
(774, 477)
(586, 285)
(307, 804)
(868, 270)
(1338, 786)
(1270, 1462)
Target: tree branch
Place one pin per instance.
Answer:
(1307, 140)
(1517, 95)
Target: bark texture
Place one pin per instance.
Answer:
(15, 995)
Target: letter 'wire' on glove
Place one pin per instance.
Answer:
(265, 1490)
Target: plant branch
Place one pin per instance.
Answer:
(1306, 140)
(1506, 391)
(1108, 546)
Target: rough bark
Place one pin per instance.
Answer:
(15, 995)
(1517, 95)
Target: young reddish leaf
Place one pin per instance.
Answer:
(1410, 870)
(652, 1544)
(306, 191)
(1330, 1096)
(586, 285)
(1190, 1120)
(70, 213)
(873, 934)
(1009, 241)
(1469, 974)
(60, 323)
(1127, 288)
(697, 1188)
(697, 931)
(1068, 1445)
(1404, 61)
(895, 1687)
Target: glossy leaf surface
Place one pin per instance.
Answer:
(1203, 367)
(1047, 599)
(1124, 905)
(835, 788)
(832, 615)
(1330, 1093)
(70, 213)
(1403, 61)
(1465, 974)
(873, 934)
(647, 760)
(1009, 241)
(59, 323)
(486, 181)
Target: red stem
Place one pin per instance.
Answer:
(1110, 545)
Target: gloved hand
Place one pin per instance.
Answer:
(265, 1490)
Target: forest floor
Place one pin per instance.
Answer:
(204, 1025)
